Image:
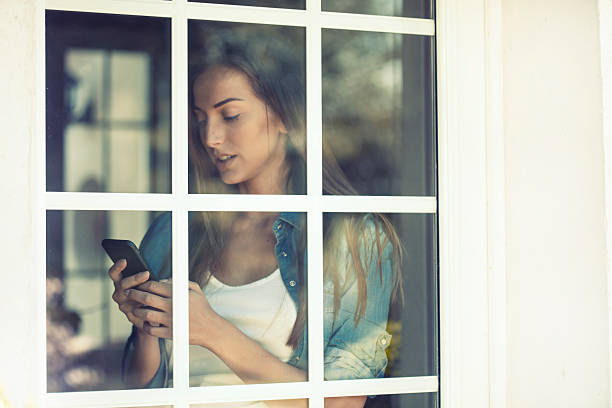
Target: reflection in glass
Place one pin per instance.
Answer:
(380, 296)
(378, 110)
(290, 4)
(247, 105)
(108, 103)
(422, 400)
(86, 331)
(400, 8)
(250, 268)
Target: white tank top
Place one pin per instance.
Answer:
(263, 310)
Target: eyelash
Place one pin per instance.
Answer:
(231, 118)
(203, 122)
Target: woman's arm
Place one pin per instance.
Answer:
(244, 356)
(145, 356)
(144, 360)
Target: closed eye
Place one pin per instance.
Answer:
(231, 118)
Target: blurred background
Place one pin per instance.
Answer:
(108, 103)
(108, 130)
(86, 331)
(379, 110)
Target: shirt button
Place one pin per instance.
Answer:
(284, 253)
(292, 283)
(383, 341)
(297, 358)
(279, 226)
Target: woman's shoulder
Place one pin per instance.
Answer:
(364, 239)
(370, 232)
(156, 244)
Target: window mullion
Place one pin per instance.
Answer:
(314, 127)
(180, 244)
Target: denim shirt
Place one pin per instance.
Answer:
(352, 351)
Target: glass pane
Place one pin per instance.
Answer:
(425, 400)
(108, 103)
(247, 101)
(248, 301)
(86, 331)
(380, 295)
(291, 4)
(400, 8)
(378, 114)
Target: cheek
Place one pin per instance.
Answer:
(209, 153)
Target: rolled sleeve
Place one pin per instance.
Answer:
(357, 354)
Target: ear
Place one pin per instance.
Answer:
(282, 127)
(279, 124)
(276, 121)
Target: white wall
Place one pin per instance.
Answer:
(17, 333)
(557, 328)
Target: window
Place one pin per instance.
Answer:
(411, 202)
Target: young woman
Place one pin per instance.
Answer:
(248, 272)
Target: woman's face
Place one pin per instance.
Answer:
(244, 139)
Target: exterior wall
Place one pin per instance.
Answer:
(557, 327)
(18, 334)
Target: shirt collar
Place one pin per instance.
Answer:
(292, 218)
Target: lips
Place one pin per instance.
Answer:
(223, 161)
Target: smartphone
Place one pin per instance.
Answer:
(125, 249)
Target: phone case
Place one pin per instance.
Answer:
(124, 249)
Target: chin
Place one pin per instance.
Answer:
(229, 180)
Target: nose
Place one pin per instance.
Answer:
(214, 135)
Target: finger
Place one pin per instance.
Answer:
(135, 320)
(159, 288)
(150, 299)
(115, 271)
(160, 331)
(134, 280)
(194, 286)
(153, 316)
(128, 308)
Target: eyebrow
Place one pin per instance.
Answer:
(223, 102)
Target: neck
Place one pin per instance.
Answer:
(261, 221)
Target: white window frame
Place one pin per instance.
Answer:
(472, 305)
(605, 35)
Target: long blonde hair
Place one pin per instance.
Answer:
(282, 91)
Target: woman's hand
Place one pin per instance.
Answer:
(146, 357)
(158, 322)
(122, 289)
(155, 307)
(202, 318)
